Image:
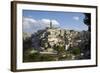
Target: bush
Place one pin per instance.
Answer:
(59, 48)
(76, 51)
(36, 57)
(32, 57)
(46, 57)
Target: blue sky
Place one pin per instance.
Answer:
(65, 20)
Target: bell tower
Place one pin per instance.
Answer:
(50, 24)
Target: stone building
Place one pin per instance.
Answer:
(45, 40)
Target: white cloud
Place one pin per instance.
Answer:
(55, 23)
(28, 22)
(44, 22)
(29, 19)
(32, 25)
(76, 18)
(47, 21)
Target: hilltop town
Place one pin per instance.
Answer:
(53, 44)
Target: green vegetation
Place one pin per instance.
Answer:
(59, 49)
(76, 51)
(35, 57)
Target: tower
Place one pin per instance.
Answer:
(50, 24)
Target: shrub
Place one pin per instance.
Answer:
(76, 51)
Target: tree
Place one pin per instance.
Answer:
(87, 20)
(27, 43)
(87, 47)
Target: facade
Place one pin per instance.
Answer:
(47, 38)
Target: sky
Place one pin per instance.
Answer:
(35, 20)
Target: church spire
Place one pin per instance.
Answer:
(50, 24)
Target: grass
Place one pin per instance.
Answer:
(34, 56)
